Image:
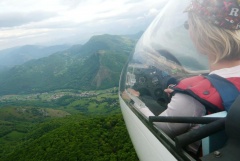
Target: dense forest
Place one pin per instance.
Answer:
(75, 126)
(76, 138)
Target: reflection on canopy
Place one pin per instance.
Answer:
(164, 55)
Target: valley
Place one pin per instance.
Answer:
(71, 101)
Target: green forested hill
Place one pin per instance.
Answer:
(95, 65)
(77, 138)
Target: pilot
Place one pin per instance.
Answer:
(214, 27)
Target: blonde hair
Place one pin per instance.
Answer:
(218, 43)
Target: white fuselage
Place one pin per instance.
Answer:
(147, 146)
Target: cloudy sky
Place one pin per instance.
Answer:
(50, 22)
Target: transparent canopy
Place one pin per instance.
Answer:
(164, 55)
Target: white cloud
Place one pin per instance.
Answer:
(71, 21)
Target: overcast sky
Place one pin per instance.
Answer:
(50, 22)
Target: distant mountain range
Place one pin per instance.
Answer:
(19, 55)
(94, 65)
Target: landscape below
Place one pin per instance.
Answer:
(65, 106)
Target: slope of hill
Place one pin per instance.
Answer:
(20, 114)
(19, 55)
(75, 138)
(96, 65)
(16, 122)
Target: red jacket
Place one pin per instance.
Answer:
(201, 89)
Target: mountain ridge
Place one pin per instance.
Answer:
(94, 65)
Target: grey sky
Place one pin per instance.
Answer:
(49, 22)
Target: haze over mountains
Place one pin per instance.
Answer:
(94, 65)
(19, 55)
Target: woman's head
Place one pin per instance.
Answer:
(211, 33)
